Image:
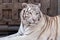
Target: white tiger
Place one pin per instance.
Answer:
(35, 25)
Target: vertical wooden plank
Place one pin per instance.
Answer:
(10, 14)
(31, 1)
(0, 12)
(19, 11)
(10, 1)
(15, 11)
(20, 6)
(0, 9)
(5, 14)
(53, 8)
(21, 1)
(14, 1)
(59, 7)
(2, 22)
(44, 5)
(36, 1)
(6, 1)
(0, 2)
(14, 14)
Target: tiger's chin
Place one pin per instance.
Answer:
(32, 23)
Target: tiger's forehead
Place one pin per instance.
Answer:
(32, 7)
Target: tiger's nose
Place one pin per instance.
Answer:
(34, 20)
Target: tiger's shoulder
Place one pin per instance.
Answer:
(58, 20)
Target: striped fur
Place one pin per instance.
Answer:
(36, 26)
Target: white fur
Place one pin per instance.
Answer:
(45, 29)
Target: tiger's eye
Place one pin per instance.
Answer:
(37, 13)
(38, 19)
(29, 22)
(30, 13)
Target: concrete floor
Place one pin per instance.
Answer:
(8, 30)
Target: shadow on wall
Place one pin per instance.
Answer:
(59, 7)
(8, 30)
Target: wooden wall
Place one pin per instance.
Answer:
(59, 7)
(10, 10)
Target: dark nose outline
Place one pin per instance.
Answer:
(34, 20)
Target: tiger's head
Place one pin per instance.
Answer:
(30, 14)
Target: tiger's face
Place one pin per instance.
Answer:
(31, 14)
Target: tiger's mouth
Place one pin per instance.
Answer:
(33, 22)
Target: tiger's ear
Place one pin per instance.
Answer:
(39, 4)
(24, 5)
